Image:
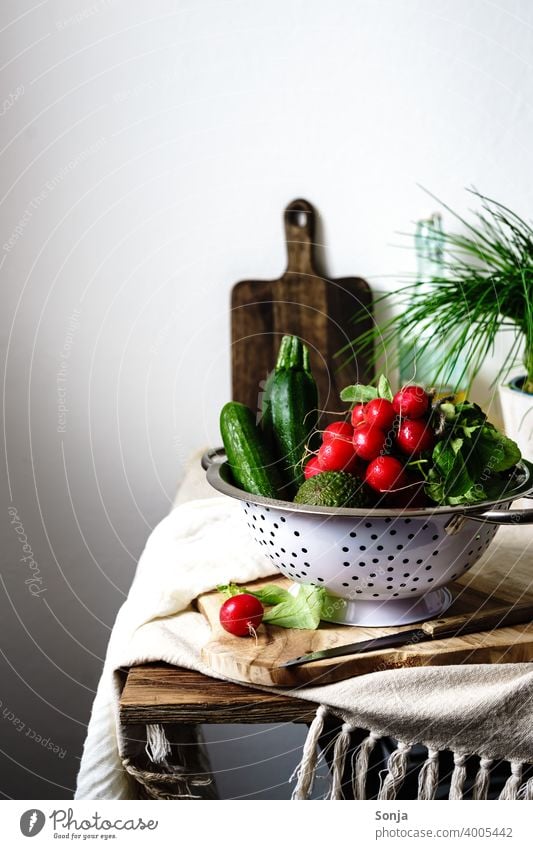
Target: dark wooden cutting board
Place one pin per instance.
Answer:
(305, 303)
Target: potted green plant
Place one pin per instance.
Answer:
(486, 286)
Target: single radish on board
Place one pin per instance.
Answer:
(411, 402)
(358, 414)
(342, 430)
(414, 437)
(368, 441)
(313, 467)
(241, 615)
(380, 412)
(338, 455)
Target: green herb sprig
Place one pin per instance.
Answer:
(486, 286)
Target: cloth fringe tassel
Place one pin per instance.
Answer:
(458, 777)
(512, 785)
(526, 791)
(482, 782)
(157, 746)
(342, 744)
(397, 768)
(360, 770)
(306, 770)
(428, 778)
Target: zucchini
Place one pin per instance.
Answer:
(290, 406)
(252, 465)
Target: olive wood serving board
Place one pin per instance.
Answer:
(305, 303)
(487, 586)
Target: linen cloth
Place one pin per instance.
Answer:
(479, 709)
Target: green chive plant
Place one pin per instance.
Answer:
(486, 286)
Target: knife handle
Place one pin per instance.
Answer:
(481, 620)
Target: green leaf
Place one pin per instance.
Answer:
(436, 492)
(448, 410)
(471, 496)
(492, 451)
(497, 486)
(301, 611)
(358, 393)
(271, 594)
(384, 388)
(469, 458)
(468, 431)
(230, 589)
(510, 453)
(450, 463)
(445, 454)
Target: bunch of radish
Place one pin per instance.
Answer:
(377, 444)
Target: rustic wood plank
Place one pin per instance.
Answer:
(158, 692)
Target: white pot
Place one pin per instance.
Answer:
(517, 413)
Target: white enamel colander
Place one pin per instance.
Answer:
(382, 566)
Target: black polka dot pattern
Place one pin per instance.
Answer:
(391, 558)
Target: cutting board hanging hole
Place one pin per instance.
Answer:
(300, 233)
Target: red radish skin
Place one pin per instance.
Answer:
(338, 455)
(380, 412)
(241, 615)
(358, 414)
(312, 468)
(368, 441)
(342, 430)
(386, 474)
(411, 402)
(414, 437)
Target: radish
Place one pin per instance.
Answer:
(313, 467)
(338, 455)
(414, 437)
(342, 430)
(411, 402)
(241, 615)
(380, 412)
(386, 474)
(368, 441)
(358, 414)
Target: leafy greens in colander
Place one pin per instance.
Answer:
(469, 461)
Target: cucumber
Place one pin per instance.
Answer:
(252, 465)
(290, 405)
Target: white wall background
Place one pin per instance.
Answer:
(147, 150)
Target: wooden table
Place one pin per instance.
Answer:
(159, 693)
(182, 700)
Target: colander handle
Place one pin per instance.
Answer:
(504, 517)
(214, 455)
